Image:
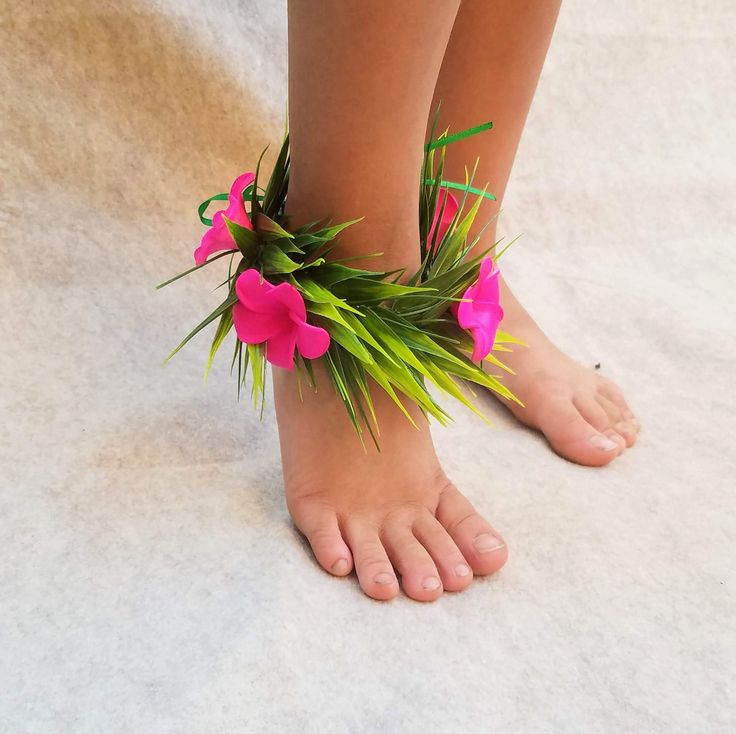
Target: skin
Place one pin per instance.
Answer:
(490, 71)
(362, 82)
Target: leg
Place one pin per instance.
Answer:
(361, 77)
(490, 71)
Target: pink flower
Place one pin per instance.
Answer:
(481, 312)
(218, 237)
(276, 314)
(448, 215)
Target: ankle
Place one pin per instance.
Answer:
(386, 230)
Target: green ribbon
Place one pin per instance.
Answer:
(221, 197)
(203, 208)
(461, 187)
(442, 142)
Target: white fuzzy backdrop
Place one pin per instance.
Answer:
(150, 578)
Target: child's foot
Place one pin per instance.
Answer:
(583, 416)
(377, 512)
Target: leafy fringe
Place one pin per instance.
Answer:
(398, 335)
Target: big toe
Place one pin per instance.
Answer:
(482, 547)
(580, 433)
(454, 570)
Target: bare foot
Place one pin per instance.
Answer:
(377, 512)
(583, 415)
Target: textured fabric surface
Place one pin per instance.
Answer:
(150, 579)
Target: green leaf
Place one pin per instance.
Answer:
(275, 189)
(388, 338)
(327, 311)
(446, 383)
(191, 270)
(274, 260)
(346, 338)
(223, 328)
(364, 290)
(379, 376)
(356, 325)
(341, 385)
(408, 383)
(257, 371)
(255, 205)
(329, 233)
(247, 241)
(314, 292)
(357, 375)
(314, 263)
(288, 246)
(331, 273)
(268, 228)
(224, 306)
(503, 337)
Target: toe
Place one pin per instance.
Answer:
(617, 420)
(454, 570)
(375, 574)
(579, 431)
(601, 418)
(419, 576)
(319, 525)
(481, 546)
(627, 431)
(610, 391)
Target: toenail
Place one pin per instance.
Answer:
(486, 543)
(462, 569)
(384, 578)
(602, 442)
(431, 583)
(340, 567)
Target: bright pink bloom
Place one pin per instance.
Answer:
(276, 314)
(481, 313)
(218, 237)
(448, 215)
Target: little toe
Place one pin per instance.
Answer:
(375, 573)
(320, 527)
(454, 570)
(419, 576)
(627, 431)
(610, 391)
(616, 420)
(481, 546)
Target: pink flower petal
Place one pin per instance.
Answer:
(312, 341)
(451, 207)
(252, 290)
(481, 311)
(253, 327)
(217, 238)
(482, 344)
(280, 349)
(290, 299)
(464, 311)
(275, 315)
(241, 183)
